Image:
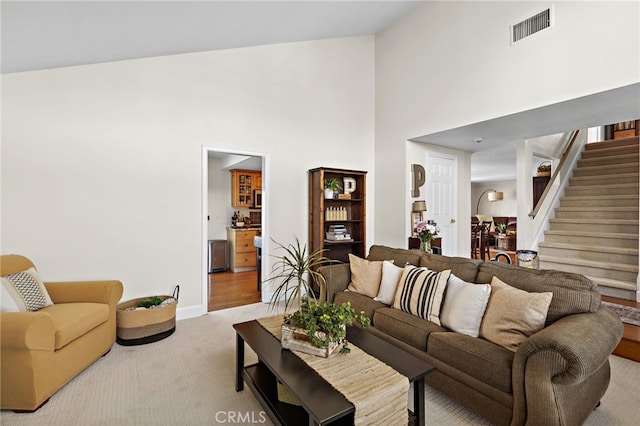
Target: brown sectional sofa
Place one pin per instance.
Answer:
(556, 377)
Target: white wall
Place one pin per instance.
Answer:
(507, 207)
(448, 64)
(102, 164)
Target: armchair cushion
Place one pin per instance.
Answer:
(72, 320)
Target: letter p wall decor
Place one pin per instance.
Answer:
(417, 179)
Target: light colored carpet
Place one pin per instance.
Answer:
(188, 379)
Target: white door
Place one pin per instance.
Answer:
(441, 198)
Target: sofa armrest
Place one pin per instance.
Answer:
(108, 292)
(571, 353)
(336, 279)
(27, 331)
(583, 341)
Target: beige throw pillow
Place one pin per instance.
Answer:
(365, 275)
(513, 315)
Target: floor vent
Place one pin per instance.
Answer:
(531, 25)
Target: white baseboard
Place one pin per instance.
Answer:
(190, 312)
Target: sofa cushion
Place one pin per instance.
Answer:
(359, 302)
(478, 358)
(421, 291)
(464, 306)
(513, 315)
(404, 326)
(365, 276)
(400, 257)
(391, 275)
(572, 293)
(72, 320)
(463, 268)
(24, 291)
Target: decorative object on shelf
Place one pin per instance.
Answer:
(331, 187)
(349, 185)
(417, 179)
(492, 195)
(426, 231)
(502, 228)
(316, 327)
(417, 214)
(544, 169)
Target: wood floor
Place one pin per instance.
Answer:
(629, 346)
(228, 289)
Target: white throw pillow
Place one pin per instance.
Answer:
(24, 291)
(391, 275)
(464, 306)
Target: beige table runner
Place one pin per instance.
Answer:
(378, 392)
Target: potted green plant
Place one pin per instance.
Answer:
(316, 327)
(331, 186)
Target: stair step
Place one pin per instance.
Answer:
(604, 239)
(606, 151)
(606, 170)
(626, 200)
(608, 282)
(594, 252)
(594, 212)
(598, 225)
(608, 189)
(617, 271)
(633, 140)
(608, 179)
(609, 159)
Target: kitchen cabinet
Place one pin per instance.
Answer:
(330, 218)
(243, 254)
(243, 183)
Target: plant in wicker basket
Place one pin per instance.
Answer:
(324, 323)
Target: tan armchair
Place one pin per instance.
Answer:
(41, 351)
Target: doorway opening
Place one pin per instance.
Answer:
(231, 261)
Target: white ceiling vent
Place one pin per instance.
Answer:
(532, 25)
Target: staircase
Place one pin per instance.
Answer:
(595, 229)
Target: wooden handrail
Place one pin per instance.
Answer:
(536, 209)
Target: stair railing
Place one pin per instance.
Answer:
(549, 198)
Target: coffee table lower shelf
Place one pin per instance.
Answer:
(262, 383)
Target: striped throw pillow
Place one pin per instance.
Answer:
(421, 292)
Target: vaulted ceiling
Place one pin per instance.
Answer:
(39, 35)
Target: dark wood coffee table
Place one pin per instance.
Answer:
(321, 404)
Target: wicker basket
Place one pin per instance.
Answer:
(544, 169)
(138, 327)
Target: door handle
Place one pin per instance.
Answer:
(453, 221)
